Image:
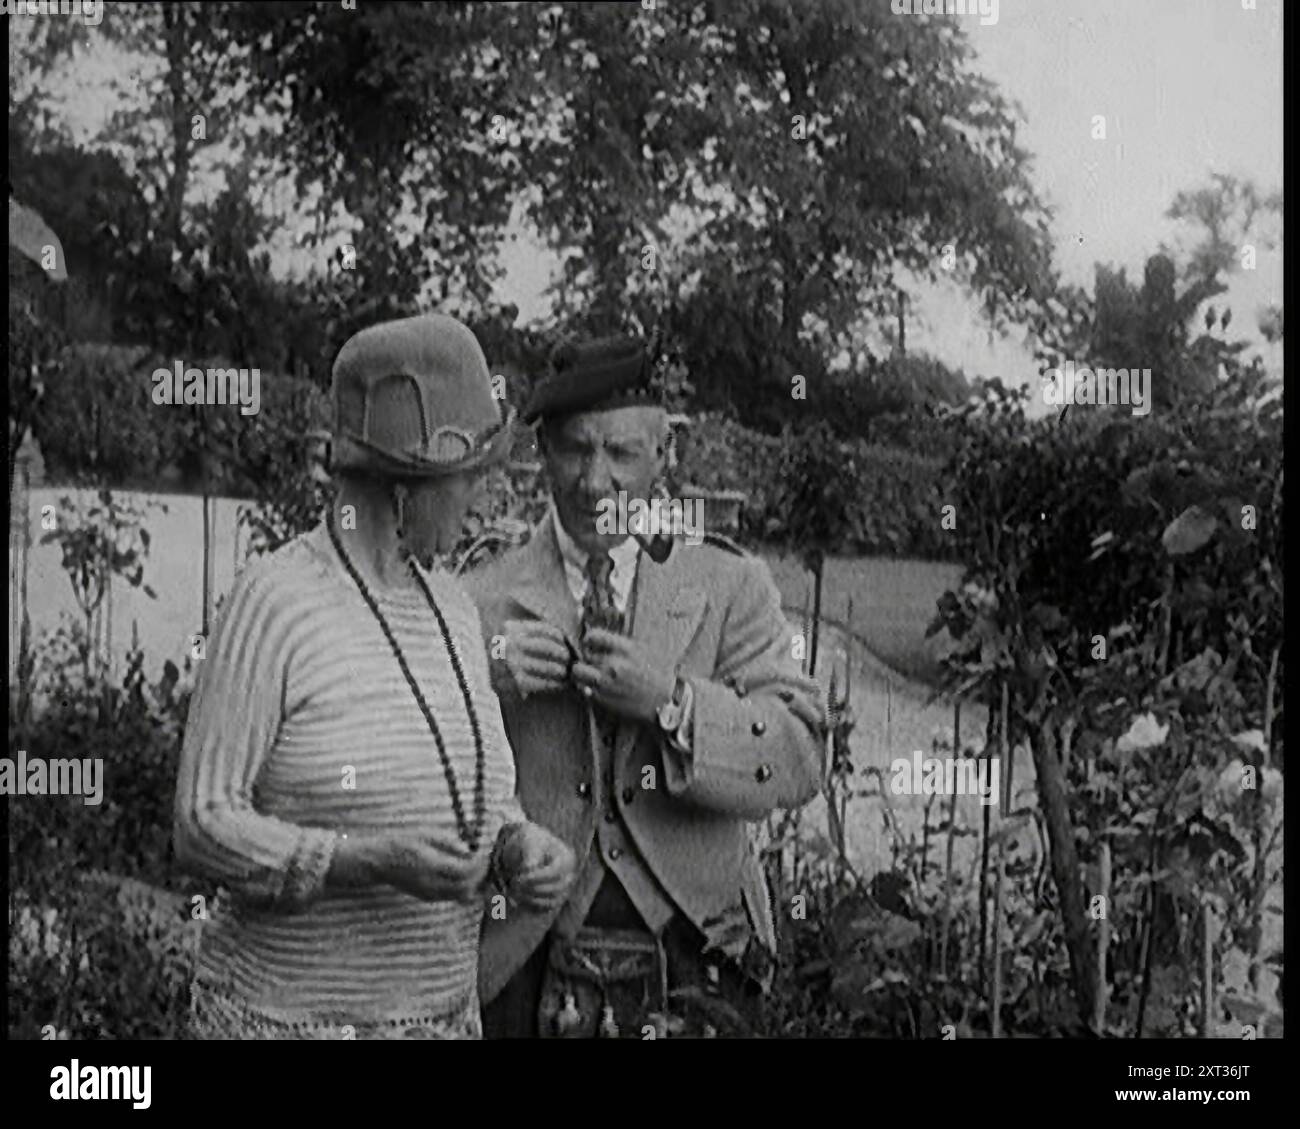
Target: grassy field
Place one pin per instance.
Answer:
(893, 603)
(894, 677)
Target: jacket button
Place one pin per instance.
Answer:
(763, 774)
(615, 853)
(758, 728)
(609, 816)
(584, 790)
(628, 795)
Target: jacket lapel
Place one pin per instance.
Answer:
(542, 589)
(668, 613)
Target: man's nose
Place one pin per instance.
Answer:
(596, 479)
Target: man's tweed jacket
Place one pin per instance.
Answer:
(758, 742)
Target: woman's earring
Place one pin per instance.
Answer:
(399, 508)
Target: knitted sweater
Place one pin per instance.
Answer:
(301, 728)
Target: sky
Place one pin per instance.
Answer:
(1187, 88)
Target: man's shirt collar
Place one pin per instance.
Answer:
(624, 555)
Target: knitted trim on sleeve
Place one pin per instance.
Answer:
(305, 880)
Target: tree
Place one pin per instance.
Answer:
(653, 150)
(1150, 327)
(808, 157)
(1226, 214)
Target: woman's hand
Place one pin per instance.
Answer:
(431, 872)
(536, 866)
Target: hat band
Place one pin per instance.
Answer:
(449, 448)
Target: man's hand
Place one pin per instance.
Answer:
(624, 675)
(537, 866)
(536, 656)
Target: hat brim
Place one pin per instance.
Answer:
(348, 452)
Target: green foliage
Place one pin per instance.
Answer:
(91, 961)
(812, 512)
(883, 500)
(96, 422)
(35, 342)
(97, 541)
(274, 459)
(95, 963)
(1164, 615)
(595, 109)
(1152, 324)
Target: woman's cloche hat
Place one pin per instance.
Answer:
(413, 399)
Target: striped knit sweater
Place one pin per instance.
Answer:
(301, 728)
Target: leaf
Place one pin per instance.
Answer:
(1189, 531)
(1145, 732)
(1250, 739)
(1048, 617)
(30, 235)
(852, 988)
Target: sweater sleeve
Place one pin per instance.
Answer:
(233, 723)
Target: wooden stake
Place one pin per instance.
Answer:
(1207, 971)
(807, 626)
(817, 614)
(1268, 704)
(995, 1000)
(1257, 830)
(952, 822)
(1103, 939)
(990, 733)
(207, 556)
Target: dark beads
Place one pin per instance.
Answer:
(469, 835)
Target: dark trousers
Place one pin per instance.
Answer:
(703, 992)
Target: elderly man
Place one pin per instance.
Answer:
(655, 710)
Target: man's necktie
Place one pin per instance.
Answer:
(598, 606)
(600, 611)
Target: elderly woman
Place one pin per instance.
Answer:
(345, 773)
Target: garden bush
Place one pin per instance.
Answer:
(92, 955)
(1123, 588)
(891, 494)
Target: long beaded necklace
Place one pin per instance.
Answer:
(470, 836)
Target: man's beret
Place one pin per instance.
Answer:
(610, 372)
